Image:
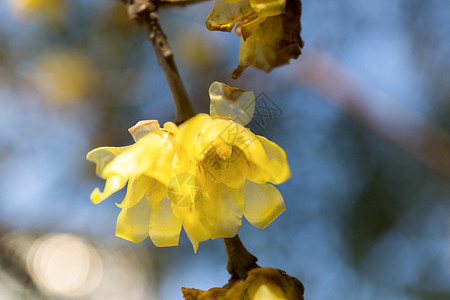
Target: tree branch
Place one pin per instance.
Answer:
(144, 11)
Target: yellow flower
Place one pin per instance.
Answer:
(232, 165)
(202, 176)
(147, 167)
(270, 30)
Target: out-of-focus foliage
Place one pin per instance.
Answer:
(62, 76)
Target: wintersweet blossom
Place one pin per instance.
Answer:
(270, 30)
(201, 176)
(234, 167)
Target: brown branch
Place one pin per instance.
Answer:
(144, 11)
(240, 261)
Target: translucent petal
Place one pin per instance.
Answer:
(184, 190)
(102, 156)
(156, 193)
(234, 170)
(265, 58)
(269, 44)
(246, 55)
(165, 227)
(194, 228)
(132, 223)
(171, 127)
(112, 185)
(142, 128)
(267, 8)
(231, 103)
(250, 27)
(267, 162)
(137, 158)
(137, 186)
(256, 174)
(222, 211)
(221, 131)
(270, 32)
(226, 13)
(262, 203)
(277, 166)
(187, 138)
(142, 157)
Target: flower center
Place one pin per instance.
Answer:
(224, 151)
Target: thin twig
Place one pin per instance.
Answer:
(240, 261)
(144, 11)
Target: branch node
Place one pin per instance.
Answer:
(240, 261)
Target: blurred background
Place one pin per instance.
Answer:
(363, 115)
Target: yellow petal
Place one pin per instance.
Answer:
(250, 27)
(277, 165)
(262, 203)
(256, 174)
(246, 55)
(102, 156)
(137, 186)
(269, 44)
(132, 223)
(222, 211)
(231, 103)
(188, 135)
(112, 185)
(165, 227)
(220, 131)
(184, 190)
(267, 8)
(144, 157)
(269, 164)
(137, 158)
(194, 228)
(226, 13)
(171, 127)
(156, 193)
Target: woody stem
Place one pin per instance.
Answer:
(240, 261)
(144, 11)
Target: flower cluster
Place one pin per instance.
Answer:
(270, 30)
(202, 176)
